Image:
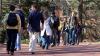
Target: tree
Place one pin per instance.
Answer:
(80, 9)
(0, 8)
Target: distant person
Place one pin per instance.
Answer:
(46, 32)
(12, 24)
(73, 21)
(22, 18)
(55, 29)
(34, 19)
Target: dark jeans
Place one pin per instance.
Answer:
(55, 38)
(45, 41)
(59, 35)
(12, 35)
(71, 36)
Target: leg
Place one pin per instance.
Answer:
(8, 40)
(47, 42)
(33, 42)
(43, 42)
(13, 40)
(70, 36)
(18, 42)
(58, 40)
(73, 37)
(30, 41)
(53, 39)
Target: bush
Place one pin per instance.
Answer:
(2, 36)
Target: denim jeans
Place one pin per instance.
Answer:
(55, 37)
(18, 41)
(45, 41)
(71, 36)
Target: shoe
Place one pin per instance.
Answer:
(52, 45)
(12, 53)
(58, 44)
(8, 52)
(43, 47)
(73, 44)
(15, 49)
(47, 48)
(33, 52)
(18, 49)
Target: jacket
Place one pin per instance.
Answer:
(47, 28)
(34, 19)
(22, 17)
(10, 27)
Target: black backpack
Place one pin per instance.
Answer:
(12, 19)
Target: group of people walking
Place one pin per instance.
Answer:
(44, 28)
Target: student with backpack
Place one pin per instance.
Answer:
(12, 24)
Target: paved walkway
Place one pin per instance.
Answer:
(80, 50)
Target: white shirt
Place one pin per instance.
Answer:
(47, 27)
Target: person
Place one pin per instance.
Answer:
(72, 28)
(55, 29)
(12, 24)
(22, 18)
(61, 32)
(46, 33)
(34, 19)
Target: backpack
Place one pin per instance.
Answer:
(12, 20)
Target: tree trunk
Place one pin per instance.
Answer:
(0, 8)
(80, 11)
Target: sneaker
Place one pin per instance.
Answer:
(15, 49)
(12, 53)
(52, 45)
(43, 47)
(33, 52)
(18, 49)
(8, 52)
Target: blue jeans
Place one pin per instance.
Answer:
(71, 36)
(45, 42)
(39, 39)
(18, 41)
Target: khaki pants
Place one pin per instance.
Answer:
(33, 40)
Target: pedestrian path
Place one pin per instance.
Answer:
(77, 50)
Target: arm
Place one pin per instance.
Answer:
(42, 18)
(19, 22)
(29, 18)
(4, 21)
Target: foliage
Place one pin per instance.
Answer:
(2, 36)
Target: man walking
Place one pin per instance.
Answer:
(22, 18)
(34, 19)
